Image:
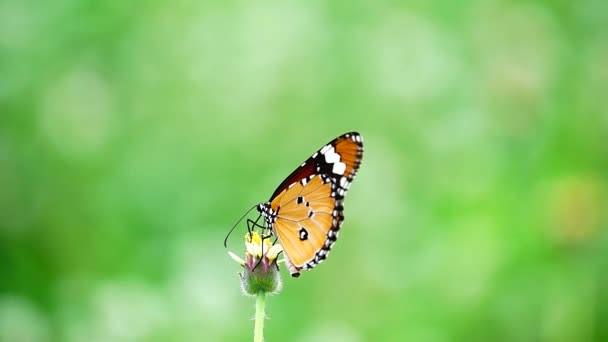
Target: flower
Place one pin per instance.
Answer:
(260, 268)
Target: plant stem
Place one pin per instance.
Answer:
(260, 303)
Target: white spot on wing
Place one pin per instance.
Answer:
(326, 148)
(332, 157)
(343, 182)
(339, 168)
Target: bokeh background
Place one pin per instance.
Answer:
(133, 134)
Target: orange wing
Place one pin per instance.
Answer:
(340, 158)
(350, 149)
(307, 223)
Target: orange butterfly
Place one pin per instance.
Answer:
(306, 209)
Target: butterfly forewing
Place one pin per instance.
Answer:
(348, 147)
(350, 150)
(306, 210)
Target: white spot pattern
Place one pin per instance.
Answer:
(331, 156)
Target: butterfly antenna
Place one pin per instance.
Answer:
(237, 222)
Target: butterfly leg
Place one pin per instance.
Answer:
(270, 234)
(277, 263)
(264, 237)
(251, 225)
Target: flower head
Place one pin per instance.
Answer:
(260, 269)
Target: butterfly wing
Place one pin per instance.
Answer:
(340, 157)
(306, 210)
(307, 224)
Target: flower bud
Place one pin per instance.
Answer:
(260, 269)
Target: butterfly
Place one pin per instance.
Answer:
(306, 210)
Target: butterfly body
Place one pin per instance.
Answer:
(306, 209)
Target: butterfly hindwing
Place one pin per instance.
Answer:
(304, 219)
(306, 210)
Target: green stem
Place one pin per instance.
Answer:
(260, 303)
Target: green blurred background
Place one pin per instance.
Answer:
(134, 133)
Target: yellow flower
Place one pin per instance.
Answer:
(261, 272)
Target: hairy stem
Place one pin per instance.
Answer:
(260, 303)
